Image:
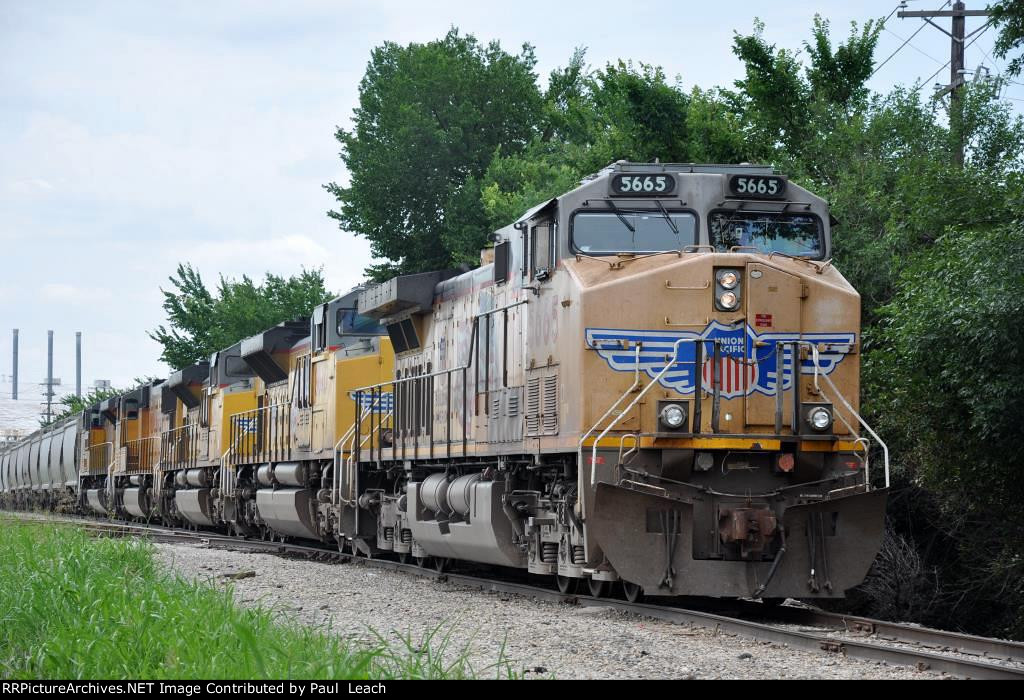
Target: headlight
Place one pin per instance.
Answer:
(728, 279)
(820, 419)
(728, 301)
(673, 415)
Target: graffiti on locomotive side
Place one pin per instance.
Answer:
(747, 362)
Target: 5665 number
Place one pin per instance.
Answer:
(640, 185)
(763, 186)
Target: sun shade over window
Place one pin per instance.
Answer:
(792, 234)
(607, 233)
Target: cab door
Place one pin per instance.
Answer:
(773, 301)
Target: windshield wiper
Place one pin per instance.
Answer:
(675, 229)
(618, 213)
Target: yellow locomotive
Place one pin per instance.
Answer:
(650, 381)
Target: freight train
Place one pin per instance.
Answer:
(649, 382)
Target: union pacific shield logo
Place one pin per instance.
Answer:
(747, 363)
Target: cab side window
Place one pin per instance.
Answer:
(542, 255)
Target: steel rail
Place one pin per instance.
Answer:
(970, 646)
(942, 640)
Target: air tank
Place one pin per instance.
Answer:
(434, 493)
(290, 473)
(460, 493)
(197, 477)
(265, 475)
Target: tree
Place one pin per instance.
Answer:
(1008, 17)
(948, 393)
(73, 404)
(593, 118)
(429, 121)
(784, 103)
(200, 323)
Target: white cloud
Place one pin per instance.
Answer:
(71, 294)
(28, 186)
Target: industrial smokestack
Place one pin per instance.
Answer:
(78, 364)
(49, 376)
(14, 391)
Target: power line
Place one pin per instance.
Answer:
(926, 55)
(991, 60)
(907, 41)
(891, 14)
(984, 29)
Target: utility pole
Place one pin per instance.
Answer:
(957, 37)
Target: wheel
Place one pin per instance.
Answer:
(567, 585)
(424, 562)
(441, 564)
(403, 558)
(598, 588)
(633, 592)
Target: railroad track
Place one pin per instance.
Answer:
(803, 627)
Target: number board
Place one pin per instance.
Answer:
(757, 186)
(639, 185)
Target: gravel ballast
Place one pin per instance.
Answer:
(536, 638)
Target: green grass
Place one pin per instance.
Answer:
(76, 607)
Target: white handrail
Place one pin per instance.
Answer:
(846, 404)
(350, 435)
(656, 380)
(350, 463)
(579, 448)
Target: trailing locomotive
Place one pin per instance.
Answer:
(652, 379)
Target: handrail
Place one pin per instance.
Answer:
(225, 468)
(146, 458)
(259, 434)
(183, 439)
(817, 372)
(415, 380)
(110, 462)
(339, 449)
(632, 450)
(350, 462)
(579, 449)
(673, 361)
(438, 373)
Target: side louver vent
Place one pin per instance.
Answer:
(550, 413)
(542, 405)
(533, 406)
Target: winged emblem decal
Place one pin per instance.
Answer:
(739, 376)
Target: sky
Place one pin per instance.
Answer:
(134, 136)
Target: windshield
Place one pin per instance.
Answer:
(351, 323)
(793, 234)
(608, 232)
